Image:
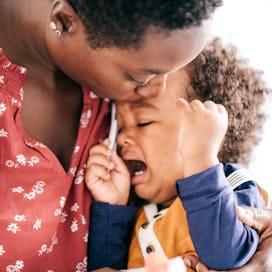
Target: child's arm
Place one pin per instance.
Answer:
(219, 237)
(110, 233)
(221, 240)
(111, 223)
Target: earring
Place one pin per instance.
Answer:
(53, 26)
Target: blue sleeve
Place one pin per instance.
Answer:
(109, 235)
(221, 240)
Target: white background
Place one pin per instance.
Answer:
(248, 24)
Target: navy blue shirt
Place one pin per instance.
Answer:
(221, 240)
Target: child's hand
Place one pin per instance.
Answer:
(203, 127)
(107, 176)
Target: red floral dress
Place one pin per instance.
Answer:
(44, 210)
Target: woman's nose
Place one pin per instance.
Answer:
(155, 87)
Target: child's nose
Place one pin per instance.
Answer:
(125, 138)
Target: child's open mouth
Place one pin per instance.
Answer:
(136, 167)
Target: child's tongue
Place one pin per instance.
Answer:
(135, 167)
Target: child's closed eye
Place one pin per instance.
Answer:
(143, 124)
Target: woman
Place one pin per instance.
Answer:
(58, 57)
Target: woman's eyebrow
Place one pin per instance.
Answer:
(153, 71)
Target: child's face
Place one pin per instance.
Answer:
(149, 136)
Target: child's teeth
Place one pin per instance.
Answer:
(138, 173)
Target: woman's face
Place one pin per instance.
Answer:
(128, 74)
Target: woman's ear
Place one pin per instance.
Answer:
(64, 20)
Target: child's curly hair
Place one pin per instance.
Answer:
(220, 75)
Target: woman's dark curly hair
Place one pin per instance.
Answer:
(221, 75)
(123, 23)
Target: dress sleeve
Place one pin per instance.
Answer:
(221, 240)
(109, 235)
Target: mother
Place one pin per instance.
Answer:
(58, 57)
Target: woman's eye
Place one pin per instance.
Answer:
(138, 82)
(143, 124)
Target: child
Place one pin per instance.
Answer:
(170, 147)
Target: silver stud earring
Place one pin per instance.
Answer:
(53, 26)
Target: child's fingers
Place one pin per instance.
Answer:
(100, 149)
(197, 105)
(96, 172)
(183, 105)
(101, 160)
(210, 105)
(119, 164)
(221, 108)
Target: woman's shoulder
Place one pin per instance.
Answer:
(11, 78)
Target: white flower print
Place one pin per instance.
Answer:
(23, 70)
(74, 226)
(92, 95)
(21, 159)
(30, 195)
(83, 220)
(19, 265)
(6, 65)
(63, 217)
(76, 149)
(84, 120)
(18, 189)
(21, 92)
(80, 177)
(11, 164)
(85, 237)
(37, 144)
(57, 212)
(3, 108)
(62, 201)
(43, 249)
(74, 208)
(73, 170)
(19, 217)
(2, 250)
(2, 79)
(38, 224)
(3, 133)
(36, 189)
(13, 227)
(48, 249)
(79, 180)
(82, 266)
(14, 101)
